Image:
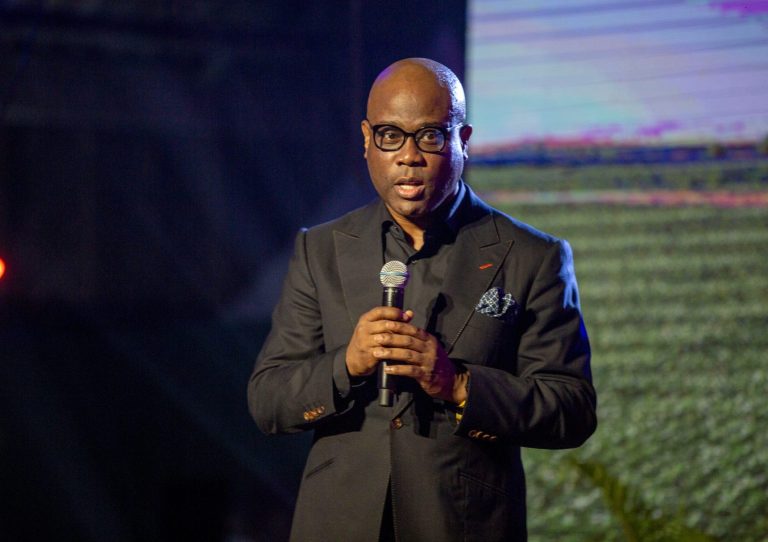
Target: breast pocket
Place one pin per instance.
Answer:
(486, 340)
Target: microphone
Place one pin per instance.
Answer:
(394, 276)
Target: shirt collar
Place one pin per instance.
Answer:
(452, 218)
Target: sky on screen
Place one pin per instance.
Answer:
(596, 71)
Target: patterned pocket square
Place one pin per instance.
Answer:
(496, 305)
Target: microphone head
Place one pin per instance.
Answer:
(394, 274)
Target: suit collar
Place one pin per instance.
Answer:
(476, 258)
(474, 263)
(359, 256)
(360, 253)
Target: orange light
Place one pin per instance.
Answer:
(2, 268)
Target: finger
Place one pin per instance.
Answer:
(385, 313)
(421, 372)
(402, 328)
(403, 355)
(396, 340)
(412, 371)
(387, 328)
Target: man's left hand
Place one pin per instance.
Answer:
(421, 357)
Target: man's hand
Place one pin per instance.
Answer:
(384, 333)
(360, 358)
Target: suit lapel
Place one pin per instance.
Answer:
(474, 263)
(359, 255)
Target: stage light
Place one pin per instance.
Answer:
(2, 268)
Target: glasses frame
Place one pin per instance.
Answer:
(445, 130)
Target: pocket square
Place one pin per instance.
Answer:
(496, 304)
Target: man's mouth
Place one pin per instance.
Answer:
(409, 188)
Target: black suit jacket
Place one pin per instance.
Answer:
(530, 383)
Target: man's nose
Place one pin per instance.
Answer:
(410, 154)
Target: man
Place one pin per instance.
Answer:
(490, 353)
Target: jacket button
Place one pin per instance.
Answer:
(397, 423)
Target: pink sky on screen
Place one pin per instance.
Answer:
(660, 71)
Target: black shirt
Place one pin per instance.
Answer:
(427, 266)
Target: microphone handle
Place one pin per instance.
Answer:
(392, 297)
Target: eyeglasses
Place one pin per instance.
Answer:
(431, 139)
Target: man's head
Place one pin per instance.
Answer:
(422, 97)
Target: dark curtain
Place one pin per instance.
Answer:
(156, 160)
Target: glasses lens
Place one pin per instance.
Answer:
(389, 138)
(430, 139)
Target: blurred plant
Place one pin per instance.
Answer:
(638, 521)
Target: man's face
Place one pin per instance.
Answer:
(413, 183)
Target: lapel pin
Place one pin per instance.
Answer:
(486, 266)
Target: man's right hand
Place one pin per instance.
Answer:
(366, 337)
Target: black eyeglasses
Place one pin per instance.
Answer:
(390, 138)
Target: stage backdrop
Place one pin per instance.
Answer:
(639, 131)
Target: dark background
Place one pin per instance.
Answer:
(156, 160)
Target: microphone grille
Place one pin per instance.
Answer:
(394, 274)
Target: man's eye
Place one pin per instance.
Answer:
(429, 136)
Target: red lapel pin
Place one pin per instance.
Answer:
(486, 266)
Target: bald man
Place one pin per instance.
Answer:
(490, 353)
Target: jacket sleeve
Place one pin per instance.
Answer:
(296, 383)
(544, 397)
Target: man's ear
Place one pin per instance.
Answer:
(366, 128)
(465, 132)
